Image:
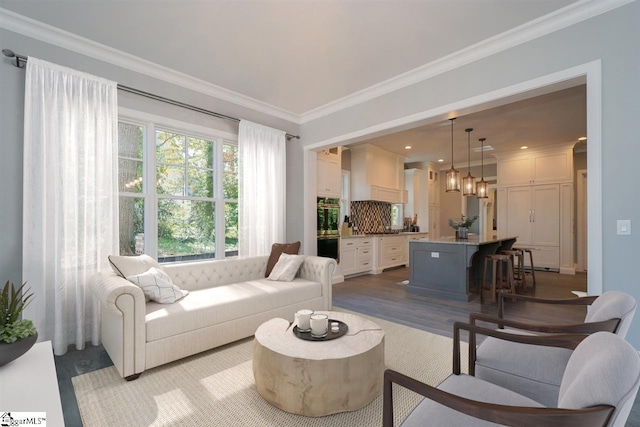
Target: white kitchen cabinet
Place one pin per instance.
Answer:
(533, 214)
(413, 187)
(376, 174)
(391, 252)
(329, 178)
(356, 255)
(541, 167)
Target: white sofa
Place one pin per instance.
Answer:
(228, 300)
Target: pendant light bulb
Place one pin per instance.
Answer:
(482, 188)
(469, 181)
(452, 176)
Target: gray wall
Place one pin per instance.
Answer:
(612, 38)
(11, 123)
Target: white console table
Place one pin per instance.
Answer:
(30, 384)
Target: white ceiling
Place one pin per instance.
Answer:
(555, 118)
(297, 55)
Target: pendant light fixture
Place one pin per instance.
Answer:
(469, 181)
(482, 186)
(452, 176)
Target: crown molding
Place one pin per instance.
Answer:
(557, 20)
(562, 18)
(49, 34)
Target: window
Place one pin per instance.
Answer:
(178, 192)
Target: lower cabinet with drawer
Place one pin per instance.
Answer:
(356, 255)
(391, 252)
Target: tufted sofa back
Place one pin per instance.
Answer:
(208, 274)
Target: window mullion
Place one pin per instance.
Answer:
(218, 169)
(151, 200)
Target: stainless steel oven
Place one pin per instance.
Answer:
(327, 227)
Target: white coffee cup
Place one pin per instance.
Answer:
(319, 325)
(303, 320)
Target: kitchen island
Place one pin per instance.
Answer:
(449, 268)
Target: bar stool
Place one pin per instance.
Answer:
(498, 281)
(517, 259)
(533, 271)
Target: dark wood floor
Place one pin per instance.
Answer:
(384, 296)
(381, 296)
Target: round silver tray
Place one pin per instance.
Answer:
(342, 330)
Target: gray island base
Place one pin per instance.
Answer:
(449, 268)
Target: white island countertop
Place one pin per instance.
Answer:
(473, 239)
(402, 233)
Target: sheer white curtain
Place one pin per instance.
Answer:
(70, 216)
(261, 183)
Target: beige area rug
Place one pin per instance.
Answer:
(217, 388)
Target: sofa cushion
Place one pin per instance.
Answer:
(125, 266)
(157, 286)
(286, 268)
(211, 306)
(276, 250)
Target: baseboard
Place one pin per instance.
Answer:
(568, 270)
(337, 279)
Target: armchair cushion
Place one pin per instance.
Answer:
(612, 305)
(531, 370)
(429, 413)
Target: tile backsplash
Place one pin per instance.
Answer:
(370, 217)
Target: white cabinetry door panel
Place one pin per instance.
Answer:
(329, 178)
(552, 167)
(546, 214)
(348, 261)
(515, 171)
(519, 214)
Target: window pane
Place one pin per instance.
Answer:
(230, 158)
(231, 229)
(230, 175)
(185, 230)
(200, 153)
(170, 148)
(130, 140)
(131, 225)
(130, 176)
(170, 180)
(230, 186)
(200, 183)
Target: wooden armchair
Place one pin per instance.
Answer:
(598, 389)
(507, 362)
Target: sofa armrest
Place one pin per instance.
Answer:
(122, 321)
(320, 269)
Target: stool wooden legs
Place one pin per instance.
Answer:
(498, 279)
(533, 271)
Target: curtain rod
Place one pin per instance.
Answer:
(21, 61)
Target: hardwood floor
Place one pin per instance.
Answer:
(384, 296)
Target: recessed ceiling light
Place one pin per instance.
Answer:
(440, 160)
(524, 147)
(408, 147)
(582, 138)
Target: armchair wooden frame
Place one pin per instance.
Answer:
(596, 416)
(588, 300)
(521, 416)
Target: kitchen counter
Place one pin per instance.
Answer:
(402, 233)
(448, 268)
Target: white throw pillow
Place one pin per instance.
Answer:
(286, 268)
(158, 286)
